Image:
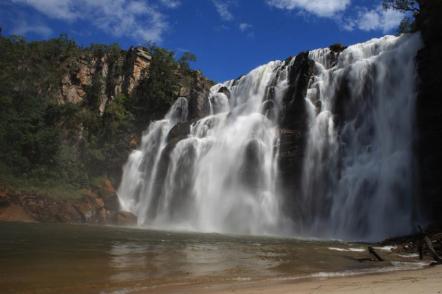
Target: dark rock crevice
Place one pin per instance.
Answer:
(293, 131)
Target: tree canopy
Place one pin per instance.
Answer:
(42, 138)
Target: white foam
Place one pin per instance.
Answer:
(347, 249)
(413, 255)
(386, 248)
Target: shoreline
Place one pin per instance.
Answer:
(427, 280)
(138, 261)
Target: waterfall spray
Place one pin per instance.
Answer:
(221, 178)
(357, 178)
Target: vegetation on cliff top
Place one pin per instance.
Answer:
(44, 142)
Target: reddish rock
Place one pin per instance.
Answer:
(92, 208)
(14, 213)
(99, 202)
(125, 218)
(107, 186)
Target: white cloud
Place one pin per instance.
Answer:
(133, 18)
(322, 8)
(223, 9)
(375, 19)
(171, 3)
(245, 26)
(247, 29)
(22, 27)
(53, 8)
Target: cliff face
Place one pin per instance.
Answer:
(293, 133)
(121, 74)
(429, 112)
(82, 72)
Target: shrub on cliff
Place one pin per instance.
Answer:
(157, 93)
(45, 140)
(28, 140)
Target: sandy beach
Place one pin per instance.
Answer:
(428, 281)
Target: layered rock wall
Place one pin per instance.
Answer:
(121, 74)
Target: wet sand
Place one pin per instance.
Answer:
(426, 281)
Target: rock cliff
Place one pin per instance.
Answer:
(120, 73)
(429, 113)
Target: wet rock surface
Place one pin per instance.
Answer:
(425, 245)
(124, 218)
(293, 132)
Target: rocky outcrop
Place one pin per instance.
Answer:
(199, 88)
(11, 211)
(114, 74)
(429, 112)
(96, 206)
(179, 132)
(124, 218)
(293, 133)
(139, 62)
(73, 85)
(110, 74)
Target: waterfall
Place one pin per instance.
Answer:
(357, 174)
(221, 178)
(357, 178)
(140, 172)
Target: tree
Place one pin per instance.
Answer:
(185, 59)
(157, 93)
(412, 6)
(411, 9)
(43, 140)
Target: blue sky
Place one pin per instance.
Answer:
(229, 37)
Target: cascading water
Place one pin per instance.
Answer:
(357, 174)
(221, 178)
(357, 178)
(140, 172)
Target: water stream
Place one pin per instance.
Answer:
(357, 177)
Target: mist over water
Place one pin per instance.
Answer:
(357, 177)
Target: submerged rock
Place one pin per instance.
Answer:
(124, 218)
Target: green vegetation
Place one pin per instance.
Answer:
(157, 93)
(48, 144)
